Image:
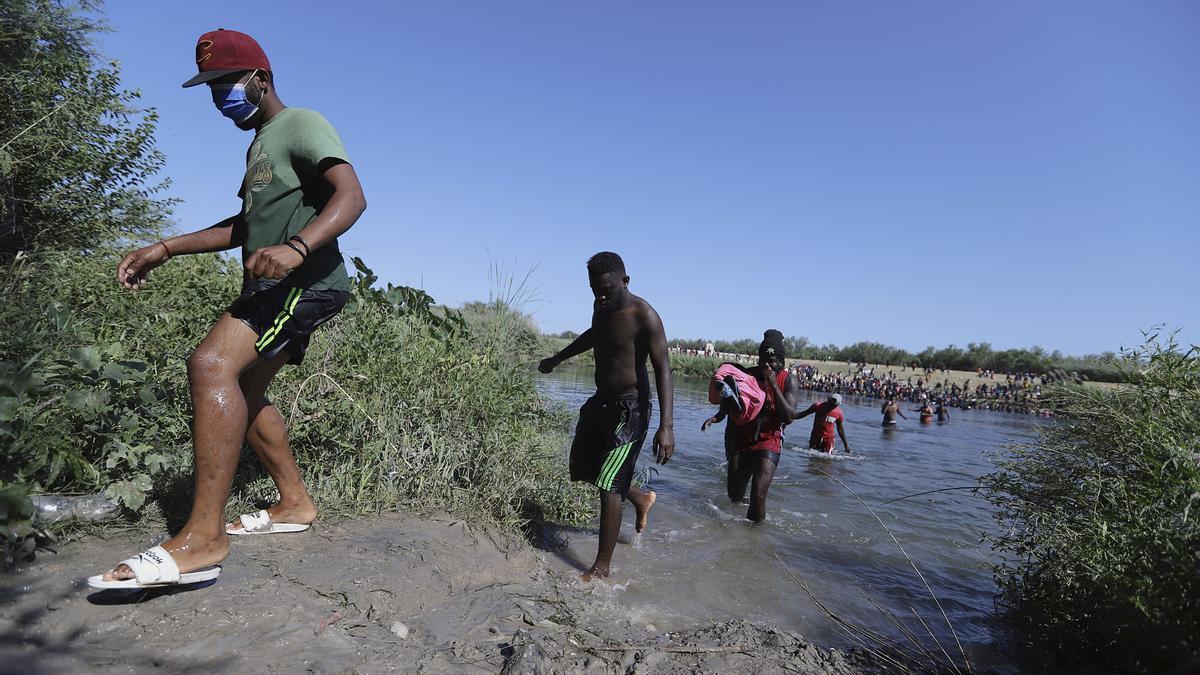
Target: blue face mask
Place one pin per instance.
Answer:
(233, 101)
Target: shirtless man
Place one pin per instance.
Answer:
(943, 415)
(926, 413)
(613, 423)
(889, 411)
(828, 414)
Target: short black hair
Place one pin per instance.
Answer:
(606, 261)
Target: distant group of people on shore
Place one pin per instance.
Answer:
(1017, 393)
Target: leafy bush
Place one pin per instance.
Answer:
(399, 412)
(93, 388)
(19, 537)
(398, 402)
(1101, 519)
(77, 156)
(688, 365)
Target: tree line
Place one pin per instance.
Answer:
(981, 355)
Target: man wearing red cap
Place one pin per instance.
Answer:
(298, 195)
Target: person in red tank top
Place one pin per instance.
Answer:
(828, 416)
(753, 449)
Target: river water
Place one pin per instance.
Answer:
(701, 561)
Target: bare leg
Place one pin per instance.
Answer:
(267, 436)
(763, 476)
(737, 476)
(611, 507)
(218, 427)
(642, 501)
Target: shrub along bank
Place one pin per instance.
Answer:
(397, 403)
(1100, 520)
(394, 405)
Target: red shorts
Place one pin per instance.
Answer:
(820, 442)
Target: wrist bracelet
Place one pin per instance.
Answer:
(292, 246)
(165, 248)
(303, 243)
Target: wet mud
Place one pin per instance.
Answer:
(396, 593)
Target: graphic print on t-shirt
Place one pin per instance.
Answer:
(258, 176)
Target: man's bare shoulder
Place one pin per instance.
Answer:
(641, 307)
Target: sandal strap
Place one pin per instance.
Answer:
(153, 566)
(253, 522)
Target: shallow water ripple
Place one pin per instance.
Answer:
(702, 561)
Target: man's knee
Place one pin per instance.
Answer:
(207, 366)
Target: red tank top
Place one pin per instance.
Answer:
(769, 434)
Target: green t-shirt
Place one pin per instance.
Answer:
(283, 191)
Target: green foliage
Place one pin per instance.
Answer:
(19, 537)
(687, 365)
(399, 413)
(398, 403)
(93, 393)
(406, 300)
(1101, 519)
(77, 161)
(77, 155)
(1102, 367)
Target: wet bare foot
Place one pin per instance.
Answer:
(595, 573)
(643, 510)
(296, 515)
(191, 552)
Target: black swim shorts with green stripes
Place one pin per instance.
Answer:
(284, 315)
(608, 439)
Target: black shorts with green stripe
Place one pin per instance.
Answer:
(608, 439)
(284, 314)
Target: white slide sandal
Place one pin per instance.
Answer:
(261, 523)
(155, 568)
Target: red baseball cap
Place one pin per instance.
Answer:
(221, 52)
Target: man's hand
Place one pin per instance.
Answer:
(768, 374)
(664, 444)
(136, 266)
(548, 364)
(709, 422)
(273, 262)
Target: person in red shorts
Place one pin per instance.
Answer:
(828, 415)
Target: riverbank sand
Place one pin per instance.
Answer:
(397, 593)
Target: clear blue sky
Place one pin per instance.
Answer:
(912, 173)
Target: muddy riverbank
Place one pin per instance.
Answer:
(397, 593)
